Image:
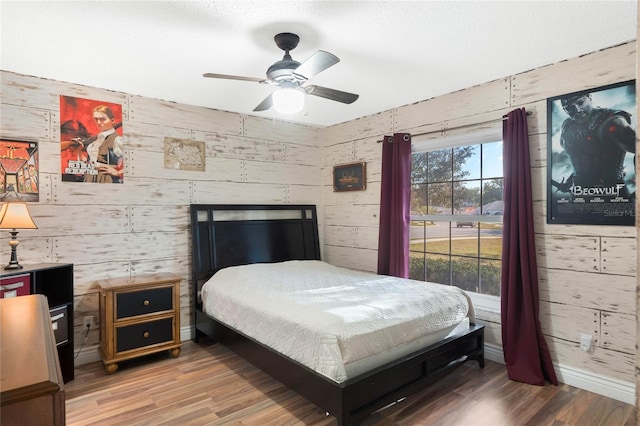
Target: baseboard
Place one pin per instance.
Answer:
(87, 355)
(493, 353)
(611, 388)
(90, 354)
(186, 333)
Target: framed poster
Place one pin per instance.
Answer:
(91, 141)
(184, 154)
(19, 166)
(591, 147)
(350, 177)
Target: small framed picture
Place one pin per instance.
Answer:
(350, 177)
(19, 170)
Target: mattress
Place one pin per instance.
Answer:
(336, 321)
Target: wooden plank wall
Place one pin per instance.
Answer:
(142, 226)
(587, 273)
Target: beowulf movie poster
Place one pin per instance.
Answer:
(591, 156)
(91, 142)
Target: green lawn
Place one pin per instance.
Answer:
(491, 247)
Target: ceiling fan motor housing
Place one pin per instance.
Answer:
(283, 70)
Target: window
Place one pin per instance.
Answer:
(456, 214)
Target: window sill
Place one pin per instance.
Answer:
(484, 302)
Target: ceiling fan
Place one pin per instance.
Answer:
(290, 76)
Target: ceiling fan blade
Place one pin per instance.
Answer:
(333, 94)
(318, 62)
(264, 105)
(233, 77)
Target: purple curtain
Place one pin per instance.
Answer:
(395, 208)
(525, 351)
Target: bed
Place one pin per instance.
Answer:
(240, 241)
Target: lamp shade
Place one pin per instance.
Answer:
(288, 100)
(16, 216)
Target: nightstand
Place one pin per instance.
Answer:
(139, 316)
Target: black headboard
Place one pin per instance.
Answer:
(231, 234)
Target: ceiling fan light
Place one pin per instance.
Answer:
(288, 100)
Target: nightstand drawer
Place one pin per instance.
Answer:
(144, 334)
(144, 302)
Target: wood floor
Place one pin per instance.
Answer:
(209, 385)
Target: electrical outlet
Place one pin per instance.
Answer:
(88, 321)
(585, 341)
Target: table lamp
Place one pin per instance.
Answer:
(15, 216)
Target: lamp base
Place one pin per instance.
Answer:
(13, 266)
(13, 242)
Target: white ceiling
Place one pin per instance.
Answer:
(392, 53)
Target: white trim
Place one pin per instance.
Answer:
(612, 388)
(424, 143)
(485, 302)
(619, 390)
(87, 355)
(493, 353)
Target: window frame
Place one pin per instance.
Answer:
(424, 143)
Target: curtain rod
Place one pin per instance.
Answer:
(504, 117)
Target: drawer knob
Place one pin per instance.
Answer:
(145, 334)
(145, 303)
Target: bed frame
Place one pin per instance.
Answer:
(229, 235)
